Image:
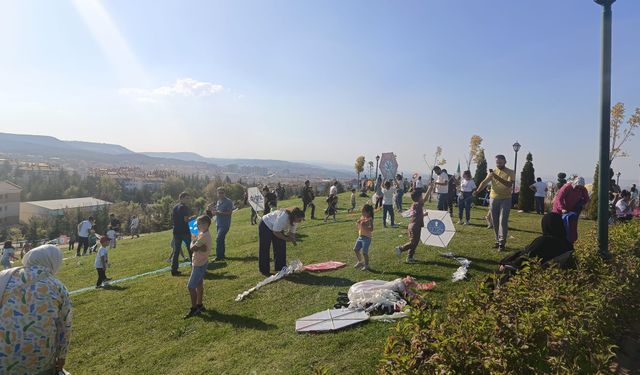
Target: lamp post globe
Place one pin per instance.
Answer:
(377, 162)
(516, 148)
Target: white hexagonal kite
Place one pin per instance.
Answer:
(438, 228)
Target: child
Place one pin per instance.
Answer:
(353, 201)
(467, 186)
(93, 241)
(365, 229)
(102, 262)
(415, 226)
(332, 207)
(8, 254)
(111, 234)
(201, 249)
(387, 204)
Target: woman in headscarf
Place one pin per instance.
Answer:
(569, 202)
(35, 315)
(552, 247)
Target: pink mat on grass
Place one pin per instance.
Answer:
(325, 266)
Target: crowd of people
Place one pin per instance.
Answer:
(43, 342)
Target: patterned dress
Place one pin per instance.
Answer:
(35, 322)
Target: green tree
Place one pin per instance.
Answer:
(527, 178)
(481, 170)
(109, 189)
(173, 186)
(359, 166)
(161, 214)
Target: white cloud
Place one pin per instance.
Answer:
(184, 87)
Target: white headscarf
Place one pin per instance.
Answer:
(578, 181)
(47, 256)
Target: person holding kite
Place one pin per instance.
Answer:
(277, 228)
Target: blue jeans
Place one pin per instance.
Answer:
(539, 205)
(464, 204)
(197, 276)
(178, 240)
(362, 243)
(443, 201)
(399, 195)
(220, 245)
(387, 209)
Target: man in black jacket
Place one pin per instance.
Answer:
(307, 199)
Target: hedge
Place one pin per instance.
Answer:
(541, 321)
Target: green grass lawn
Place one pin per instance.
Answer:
(136, 327)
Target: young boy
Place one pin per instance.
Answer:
(201, 249)
(111, 234)
(415, 226)
(353, 201)
(93, 239)
(102, 262)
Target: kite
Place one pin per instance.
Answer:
(256, 200)
(330, 320)
(388, 165)
(438, 230)
(294, 267)
(326, 266)
(193, 228)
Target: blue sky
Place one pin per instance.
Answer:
(320, 80)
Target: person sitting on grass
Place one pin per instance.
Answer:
(624, 207)
(552, 247)
(8, 254)
(201, 249)
(365, 229)
(102, 262)
(415, 226)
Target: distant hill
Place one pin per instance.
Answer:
(78, 153)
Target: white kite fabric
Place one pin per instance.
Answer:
(438, 229)
(255, 198)
(461, 272)
(372, 294)
(295, 267)
(331, 320)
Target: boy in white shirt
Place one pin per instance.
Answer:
(102, 262)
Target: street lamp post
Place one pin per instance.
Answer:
(377, 161)
(516, 148)
(605, 119)
(618, 178)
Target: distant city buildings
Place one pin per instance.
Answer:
(9, 203)
(57, 207)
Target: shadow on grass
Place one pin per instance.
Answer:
(115, 287)
(525, 231)
(409, 273)
(311, 279)
(237, 321)
(248, 258)
(216, 265)
(219, 276)
(482, 261)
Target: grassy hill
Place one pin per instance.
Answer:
(136, 327)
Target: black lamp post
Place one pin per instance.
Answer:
(377, 161)
(516, 148)
(605, 119)
(618, 178)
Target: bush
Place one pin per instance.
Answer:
(541, 321)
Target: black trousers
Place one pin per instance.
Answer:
(313, 208)
(102, 276)
(266, 239)
(83, 243)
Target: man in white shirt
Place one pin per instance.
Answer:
(83, 235)
(419, 185)
(333, 190)
(540, 188)
(442, 188)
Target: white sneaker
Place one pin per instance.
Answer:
(364, 268)
(467, 222)
(398, 251)
(410, 260)
(459, 222)
(358, 265)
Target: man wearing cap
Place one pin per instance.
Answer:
(222, 210)
(501, 180)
